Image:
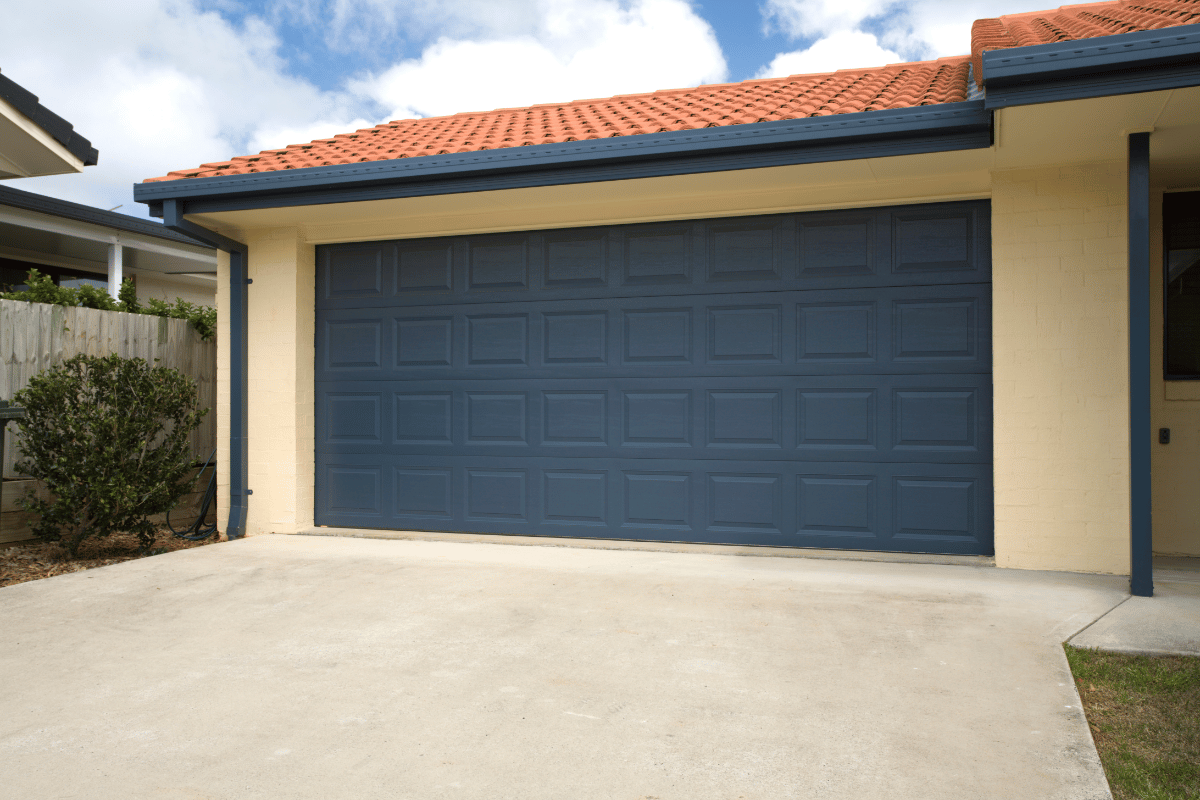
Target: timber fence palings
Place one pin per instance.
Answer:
(37, 336)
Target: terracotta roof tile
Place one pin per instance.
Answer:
(1083, 21)
(843, 92)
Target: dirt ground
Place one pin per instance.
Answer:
(36, 560)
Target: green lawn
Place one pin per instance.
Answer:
(1144, 712)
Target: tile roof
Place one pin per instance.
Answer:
(1083, 21)
(842, 92)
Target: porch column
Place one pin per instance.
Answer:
(1141, 566)
(116, 269)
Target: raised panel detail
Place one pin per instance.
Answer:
(835, 332)
(499, 340)
(658, 418)
(658, 336)
(744, 333)
(423, 493)
(352, 344)
(496, 494)
(935, 329)
(499, 264)
(576, 262)
(423, 269)
(657, 255)
(424, 342)
(838, 505)
(576, 338)
(932, 244)
(744, 419)
(743, 252)
(353, 273)
(353, 490)
(353, 418)
(658, 500)
(496, 417)
(935, 419)
(835, 249)
(744, 502)
(934, 508)
(575, 418)
(836, 419)
(576, 497)
(423, 418)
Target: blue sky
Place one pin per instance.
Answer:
(159, 85)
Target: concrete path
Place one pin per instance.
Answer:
(1166, 624)
(306, 667)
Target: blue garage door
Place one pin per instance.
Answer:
(814, 380)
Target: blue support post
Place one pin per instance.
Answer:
(1141, 566)
(238, 344)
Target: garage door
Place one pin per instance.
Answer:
(814, 380)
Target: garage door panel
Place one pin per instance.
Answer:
(909, 507)
(932, 418)
(816, 379)
(903, 246)
(927, 329)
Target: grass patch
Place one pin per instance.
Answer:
(1144, 712)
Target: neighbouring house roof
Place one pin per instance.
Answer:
(895, 86)
(58, 128)
(16, 198)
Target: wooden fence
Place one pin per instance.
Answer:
(36, 336)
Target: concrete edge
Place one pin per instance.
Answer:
(760, 551)
(1081, 717)
(1136, 651)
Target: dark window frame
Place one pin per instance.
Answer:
(1181, 233)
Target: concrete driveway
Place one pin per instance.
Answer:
(307, 667)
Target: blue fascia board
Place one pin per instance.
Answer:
(869, 134)
(1143, 61)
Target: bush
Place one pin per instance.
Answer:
(109, 437)
(43, 290)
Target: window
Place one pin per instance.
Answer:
(1181, 284)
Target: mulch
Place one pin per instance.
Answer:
(30, 562)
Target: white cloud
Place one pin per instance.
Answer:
(926, 29)
(839, 50)
(579, 49)
(159, 85)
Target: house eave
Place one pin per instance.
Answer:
(1126, 63)
(870, 134)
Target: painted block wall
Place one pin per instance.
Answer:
(222, 409)
(281, 373)
(1174, 467)
(1060, 339)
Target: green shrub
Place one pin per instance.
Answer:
(109, 437)
(42, 290)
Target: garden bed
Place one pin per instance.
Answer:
(30, 562)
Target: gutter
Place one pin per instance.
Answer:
(867, 134)
(1125, 63)
(239, 393)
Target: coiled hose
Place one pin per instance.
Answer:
(199, 530)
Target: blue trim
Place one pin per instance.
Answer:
(1144, 61)
(1141, 563)
(868, 134)
(239, 367)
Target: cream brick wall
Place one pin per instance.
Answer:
(222, 389)
(281, 355)
(1060, 343)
